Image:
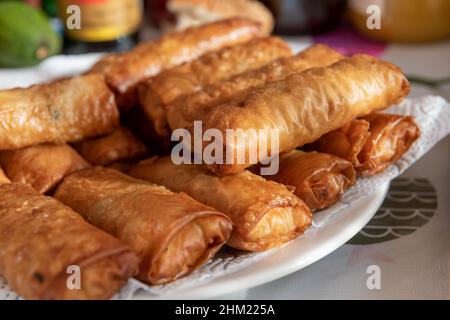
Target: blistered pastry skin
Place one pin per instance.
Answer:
(157, 92)
(319, 179)
(371, 143)
(60, 111)
(265, 214)
(42, 166)
(171, 233)
(390, 137)
(38, 268)
(346, 142)
(119, 145)
(183, 111)
(124, 71)
(304, 106)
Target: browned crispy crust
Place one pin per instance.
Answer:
(40, 238)
(183, 111)
(390, 137)
(60, 111)
(346, 142)
(265, 214)
(307, 105)
(371, 143)
(157, 92)
(119, 145)
(124, 71)
(319, 179)
(41, 166)
(172, 233)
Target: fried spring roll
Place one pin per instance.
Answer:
(301, 108)
(41, 166)
(172, 233)
(265, 214)
(183, 111)
(157, 92)
(345, 142)
(319, 179)
(40, 239)
(124, 71)
(371, 143)
(390, 137)
(60, 111)
(119, 145)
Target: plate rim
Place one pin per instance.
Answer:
(232, 282)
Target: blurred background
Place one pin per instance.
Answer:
(113, 25)
(413, 34)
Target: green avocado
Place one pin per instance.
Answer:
(26, 37)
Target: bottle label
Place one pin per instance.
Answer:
(100, 20)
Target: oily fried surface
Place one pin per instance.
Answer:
(42, 166)
(40, 238)
(149, 218)
(124, 71)
(60, 111)
(249, 200)
(119, 145)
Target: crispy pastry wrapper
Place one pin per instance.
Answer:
(171, 233)
(265, 214)
(390, 137)
(60, 111)
(157, 92)
(320, 179)
(119, 145)
(42, 166)
(371, 143)
(125, 70)
(40, 238)
(346, 142)
(304, 106)
(182, 112)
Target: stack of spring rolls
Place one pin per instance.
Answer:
(85, 181)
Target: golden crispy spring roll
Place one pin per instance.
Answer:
(119, 145)
(303, 107)
(124, 71)
(157, 92)
(172, 233)
(185, 110)
(390, 137)
(345, 142)
(371, 143)
(3, 177)
(319, 179)
(265, 214)
(42, 166)
(60, 111)
(40, 239)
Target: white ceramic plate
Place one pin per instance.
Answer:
(315, 244)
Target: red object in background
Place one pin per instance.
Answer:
(34, 3)
(157, 12)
